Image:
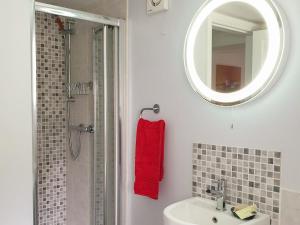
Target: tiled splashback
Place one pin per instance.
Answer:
(252, 175)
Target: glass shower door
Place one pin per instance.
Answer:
(106, 125)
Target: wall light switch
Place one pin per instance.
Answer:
(155, 6)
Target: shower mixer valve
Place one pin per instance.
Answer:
(90, 129)
(81, 128)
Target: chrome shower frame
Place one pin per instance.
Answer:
(121, 91)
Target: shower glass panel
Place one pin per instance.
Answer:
(104, 92)
(77, 114)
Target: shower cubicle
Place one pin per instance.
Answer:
(77, 117)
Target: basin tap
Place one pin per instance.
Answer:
(219, 192)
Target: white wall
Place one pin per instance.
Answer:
(16, 198)
(157, 75)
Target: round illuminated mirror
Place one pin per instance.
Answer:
(234, 49)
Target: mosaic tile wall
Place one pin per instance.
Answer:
(51, 129)
(252, 175)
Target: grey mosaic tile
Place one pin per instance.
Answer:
(51, 128)
(252, 175)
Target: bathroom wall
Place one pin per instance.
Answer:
(290, 207)
(51, 122)
(16, 113)
(156, 75)
(113, 8)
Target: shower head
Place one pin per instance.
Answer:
(60, 24)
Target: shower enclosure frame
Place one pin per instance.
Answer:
(120, 91)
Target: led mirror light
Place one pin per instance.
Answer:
(274, 56)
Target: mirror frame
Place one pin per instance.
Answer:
(275, 58)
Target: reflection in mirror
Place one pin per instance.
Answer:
(231, 47)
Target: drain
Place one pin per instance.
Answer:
(215, 220)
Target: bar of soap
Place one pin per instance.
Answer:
(246, 212)
(239, 207)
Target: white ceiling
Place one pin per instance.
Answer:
(241, 11)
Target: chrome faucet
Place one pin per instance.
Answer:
(219, 192)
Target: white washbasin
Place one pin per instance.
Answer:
(199, 211)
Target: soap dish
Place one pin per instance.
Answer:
(248, 218)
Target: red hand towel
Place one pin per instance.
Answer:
(149, 157)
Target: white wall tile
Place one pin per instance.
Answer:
(290, 208)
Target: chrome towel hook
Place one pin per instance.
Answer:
(155, 109)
